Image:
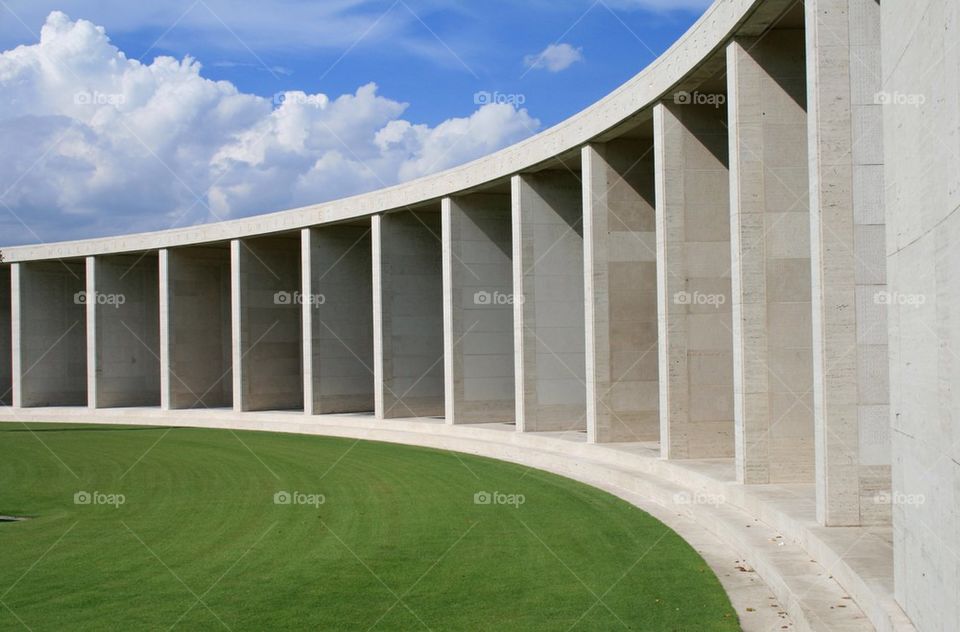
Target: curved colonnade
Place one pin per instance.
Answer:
(679, 294)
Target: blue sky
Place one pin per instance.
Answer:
(97, 136)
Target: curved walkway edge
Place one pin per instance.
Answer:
(781, 570)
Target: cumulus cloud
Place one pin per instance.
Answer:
(92, 142)
(554, 58)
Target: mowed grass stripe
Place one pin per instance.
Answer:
(198, 519)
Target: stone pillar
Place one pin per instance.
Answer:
(408, 314)
(851, 388)
(91, 329)
(338, 319)
(770, 231)
(379, 321)
(478, 308)
(50, 333)
(620, 280)
(6, 338)
(16, 336)
(693, 245)
(163, 263)
(196, 338)
(548, 313)
(267, 332)
(306, 321)
(124, 326)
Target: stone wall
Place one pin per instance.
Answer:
(921, 120)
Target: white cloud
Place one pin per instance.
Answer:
(454, 141)
(555, 57)
(92, 142)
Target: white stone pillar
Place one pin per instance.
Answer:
(478, 308)
(341, 318)
(693, 244)
(620, 280)
(851, 385)
(549, 328)
(91, 332)
(237, 337)
(408, 301)
(16, 335)
(773, 368)
(380, 319)
(452, 318)
(306, 319)
(166, 287)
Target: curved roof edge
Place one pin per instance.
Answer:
(721, 21)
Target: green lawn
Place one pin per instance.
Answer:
(197, 541)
